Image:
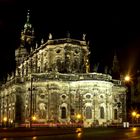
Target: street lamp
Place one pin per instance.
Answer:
(30, 122)
(137, 116)
(79, 119)
(133, 117)
(134, 113)
(127, 78)
(78, 116)
(34, 118)
(5, 121)
(128, 83)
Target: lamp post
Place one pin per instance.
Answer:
(79, 117)
(137, 117)
(30, 125)
(127, 81)
(133, 117)
(5, 121)
(94, 107)
(31, 92)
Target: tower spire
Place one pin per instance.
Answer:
(115, 67)
(28, 25)
(27, 41)
(28, 15)
(27, 35)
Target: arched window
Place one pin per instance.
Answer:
(102, 115)
(115, 114)
(88, 113)
(63, 112)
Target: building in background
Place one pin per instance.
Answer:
(133, 86)
(52, 83)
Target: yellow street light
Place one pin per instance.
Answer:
(134, 129)
(78, 116)
(134, 113)
(33, 118)
(137, 116)
(5, 119)
(127, 78)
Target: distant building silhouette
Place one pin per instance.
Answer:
(115, 68)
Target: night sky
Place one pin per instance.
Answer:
(110, 28)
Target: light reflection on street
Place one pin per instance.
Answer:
(134, 129)
(91, 133)
(4, 139)
(34, 138)
(78, 130)
(79, 135)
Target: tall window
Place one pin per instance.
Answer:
(88, 113)
(72, 111)
(102, 114)
(115, 114)
(63, 113)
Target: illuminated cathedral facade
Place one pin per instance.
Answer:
(53, 83)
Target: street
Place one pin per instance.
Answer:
(89, 134)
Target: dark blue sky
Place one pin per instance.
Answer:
(109, 27)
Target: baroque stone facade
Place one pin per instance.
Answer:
(53, 83)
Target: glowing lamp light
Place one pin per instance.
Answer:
(127, 78)
(79, 135)
(5, 119)
(79, 130)
(137, 116)
(134, 129)
(134, 113)
(34, 138)
(78, 116)
(33, 118)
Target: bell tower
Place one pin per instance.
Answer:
(116, 68)
(26, 41)
(27, 35)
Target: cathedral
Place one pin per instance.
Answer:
(52, 84)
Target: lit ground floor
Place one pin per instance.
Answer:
(43, 101)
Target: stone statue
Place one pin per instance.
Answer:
(42, 110)
(36, 45)
(95, 69)
(8, 77)
(31, 49)
(42, 41)
(68, 35)
(84, 36)
(50, 36)
(87, 66)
